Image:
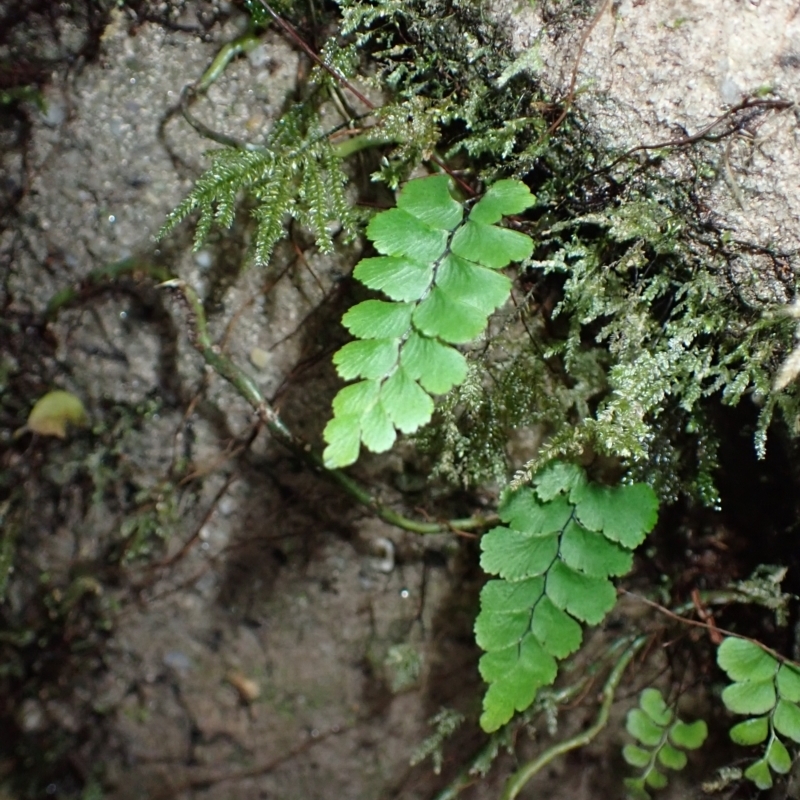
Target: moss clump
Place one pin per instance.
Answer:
(628, 328)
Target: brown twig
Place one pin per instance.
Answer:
(704, 133)
(707, 617)
(570, 98)
(289, 30)
(192, 540)
(707, 626)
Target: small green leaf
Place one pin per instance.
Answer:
(397, 233)
(588, 599)
(635, 789)
(652, 703)
(367, 358)
(750, 697)
(377, 431)
(624, 514)
(489, 245)
(745, 661)
(440, 315)
(787, 720)
(592, 553)
(514, 676)
(639, 725)
(557, 632)
(759, 773)
(429, 200)
(671, 758)
(525, 513)
(689, 735)
(436, 366)
(498, 630)
(498, 706)
(397, 276)
(656, 779)
(778, 756)
(751, 731)
(54, 411)
(470, 284)
(507, 597)
(558, 477)
(408, 406)
(502, 198)
(636, 756)
(343, 435)
(789, 683)
(377, 319)
(513, 555)
(357, 398)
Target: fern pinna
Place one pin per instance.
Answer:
(438, 265)
(767, 690)
(662, 738)
(564, 538)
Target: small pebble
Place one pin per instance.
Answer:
(259, 358)
(384, 550)
(730, 92)
(259, 56)
(55, 114)
(248, 689)
(175, 659)
(31, 717)
(203, 259)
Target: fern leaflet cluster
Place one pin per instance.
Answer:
(295, 174)
(662, 739)
(768, 691)
(564, 538)
(439, 268)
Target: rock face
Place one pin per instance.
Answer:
(652, 72)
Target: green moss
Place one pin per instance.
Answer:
(628, 328)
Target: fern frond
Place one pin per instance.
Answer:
(564, 538)
(296, 174)
(439, 269)
(662, 738)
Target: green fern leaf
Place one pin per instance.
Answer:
(745, 661)
(624, 513)
(368, 358)
(442, 287)
(662, 740)
(789, 683)
(507, 197)
(558, 477)
(787, 720)
(491, 246)
(554, 574)
(751, 731)
(437, 367)
(376, 319)
(768, 692)
(759, 773)
(398, 277)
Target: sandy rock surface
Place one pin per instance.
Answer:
(653, 73)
